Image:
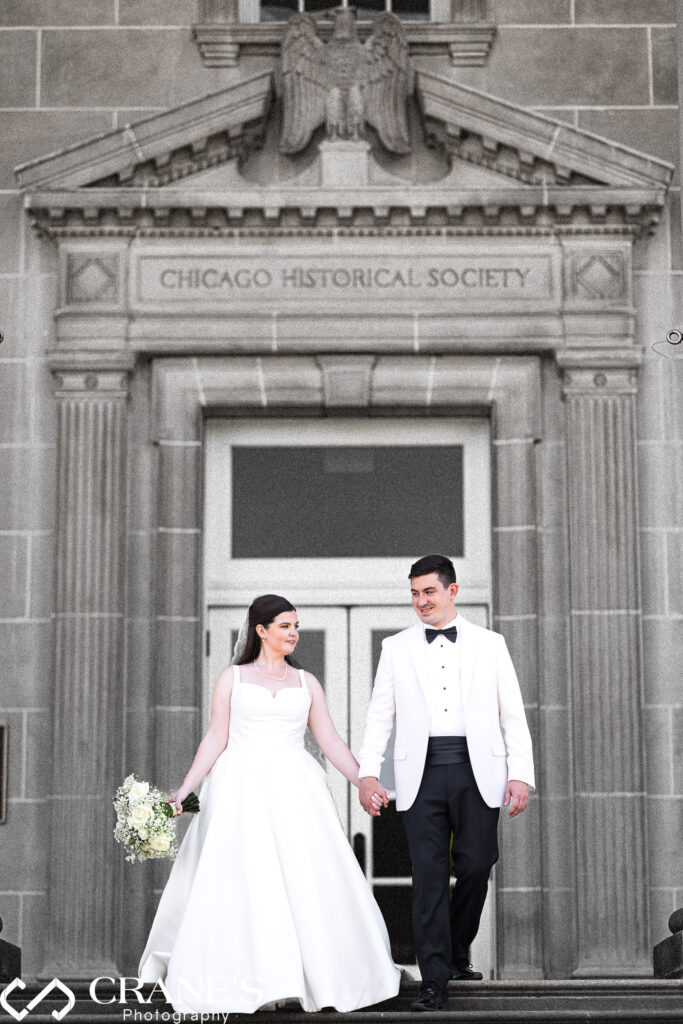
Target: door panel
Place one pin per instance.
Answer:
(349, 507)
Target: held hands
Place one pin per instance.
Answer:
(372, 796)
(517, 795)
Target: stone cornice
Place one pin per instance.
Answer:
(212, 129)
(177, 210)
(539, 142)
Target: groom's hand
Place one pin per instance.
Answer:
(372, 796)
(517, 795)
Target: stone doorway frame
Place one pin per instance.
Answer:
(505, 389)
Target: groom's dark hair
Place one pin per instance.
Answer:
(442, 566)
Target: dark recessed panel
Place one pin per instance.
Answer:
(347, 502)
(411, 10)
(278, 10)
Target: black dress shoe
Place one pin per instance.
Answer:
(431, 997)
(465, 973)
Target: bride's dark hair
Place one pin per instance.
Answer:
(262, 611)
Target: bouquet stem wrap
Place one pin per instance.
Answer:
(144, 824)
(190, 805)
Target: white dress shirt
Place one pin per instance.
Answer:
(446, 713)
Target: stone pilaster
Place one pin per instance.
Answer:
(87, 686)
(608, 768)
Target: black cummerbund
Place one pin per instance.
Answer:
(447, 750)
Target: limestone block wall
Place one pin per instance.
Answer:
(71, 69)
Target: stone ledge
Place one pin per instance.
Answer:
(222, 44)
(91, 362)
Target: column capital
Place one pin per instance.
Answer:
(95, 374)
(593, 372)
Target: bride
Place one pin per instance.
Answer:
(266, 901)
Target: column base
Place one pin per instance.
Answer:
(521, 973)
(620, 970)
(68, 972)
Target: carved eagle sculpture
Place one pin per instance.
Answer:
(345, 83)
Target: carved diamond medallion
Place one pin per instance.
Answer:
(92, 279)
(598, 276)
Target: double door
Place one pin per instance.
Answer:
(341, 645)
(331, 513)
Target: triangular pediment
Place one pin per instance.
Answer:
(161, 148)
(496, 156)
(538, 148)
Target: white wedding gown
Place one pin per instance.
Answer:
(266, 900)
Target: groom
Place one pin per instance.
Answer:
(462, 750)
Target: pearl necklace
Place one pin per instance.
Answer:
(275, 679)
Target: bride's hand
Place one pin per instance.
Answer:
(176, 802)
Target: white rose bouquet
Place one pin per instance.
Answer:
(144, 820)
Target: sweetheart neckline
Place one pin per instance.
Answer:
(258, 686)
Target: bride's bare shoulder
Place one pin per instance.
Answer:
(226, 679)
(312, 683)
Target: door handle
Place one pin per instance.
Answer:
(359, 850)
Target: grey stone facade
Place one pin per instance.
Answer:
(107, 377)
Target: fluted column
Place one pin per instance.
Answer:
(609, 798)
(87, 701)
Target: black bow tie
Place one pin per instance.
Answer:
(451, 633)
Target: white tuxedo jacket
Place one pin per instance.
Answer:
(497, 733)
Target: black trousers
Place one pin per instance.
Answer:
(449, 802)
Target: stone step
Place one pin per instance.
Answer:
(547, 1016)
(489, 1002)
